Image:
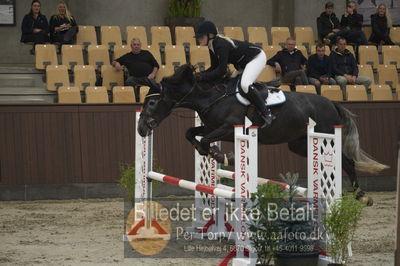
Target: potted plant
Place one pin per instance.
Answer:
(263, 227)
(183, 13)
(340, 225)
(297, 242)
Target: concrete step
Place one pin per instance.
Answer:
(21, 80)
(25, 91)
(7, 99)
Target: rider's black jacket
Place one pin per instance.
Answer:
(222, 53)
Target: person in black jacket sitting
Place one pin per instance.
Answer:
(63, 27)
(290, 62)
(35, 27)
(329, 25)
(344, 67)
(381, 23)
(246, 57)
(319, 69)
(352, 21)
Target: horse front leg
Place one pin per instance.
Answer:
(225, 130)
(191, 134)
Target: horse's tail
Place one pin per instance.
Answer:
(351, 144)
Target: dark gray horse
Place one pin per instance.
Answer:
(219, 111)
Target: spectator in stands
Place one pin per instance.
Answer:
(63, 27)
(141, 65)
(319, 69)
(35, 28)
(381, 23)
(290, 62)
(344, 66)
(352, 21)
(329, 25)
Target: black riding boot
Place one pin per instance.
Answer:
(255, 98)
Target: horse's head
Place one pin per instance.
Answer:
(160, 101)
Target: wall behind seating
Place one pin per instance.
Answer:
(152, 12)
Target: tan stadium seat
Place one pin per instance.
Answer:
(395, 34)
(164, 71)
(284, 87)
(306, 89)
(302, 49)
(267, 74)
(111, 77)
(143, 92)
(235, 33)
(175, 55)
(355, 88)
(351, 49)
(304, 36)
(120, 50)
(387, 74)
(271, 50)
(56, 77)
(379, 87)
(366, 70)
(69, 95)
(136, 32)
(155, 51)
(110, 35)
(332, 92)
(258, 35)
(123, 94)
(313, 50)
(368, 55)
(45, 55)
(161, 36)
(199, 55)
(84, 76)
(391, 55)
(381, 93)
(86, 35)
(356, 95)
(98, 55)
(279, 35)
(71, 55)
(184, 36)
(367, 31)
(96, 95)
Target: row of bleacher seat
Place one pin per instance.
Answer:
(111, 35)
(126, 94)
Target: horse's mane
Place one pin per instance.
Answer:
(183, 73)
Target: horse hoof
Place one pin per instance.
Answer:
(368, 201)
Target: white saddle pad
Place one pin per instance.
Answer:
(274, 98)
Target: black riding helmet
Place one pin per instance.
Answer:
(205, 28)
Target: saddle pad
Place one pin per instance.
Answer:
(274, 97)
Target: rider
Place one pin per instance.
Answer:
(244, 56)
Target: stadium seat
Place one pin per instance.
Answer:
(120, 50)
(96, 95)
(69, 95)
(387, 74)
(284, 87)
(313, 49)
(235, 33)
(351, 49)
(111, 77)
(267, 74)
(355, 88)
(391, 55)
(175, 55)
(279, 35)
(98, 55)
(110, 36)
(155, 51)
(136, 32)
(306, 89)
(161, 36)
(143, 92)
(366, 70)
(258, 35)
(382, 95)
(56, 77)
(86, 36)
(164, 71)
(303, 50)
(271, 50)
(332, 92)
(395, 34)
(184, 36)
(368, 55)
(84, 76)
(367, 31)
(199, 55)
(123, 94)
(71, 55)
(356, 95)
(304, 36)
(45, 55)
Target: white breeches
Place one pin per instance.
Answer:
(252, 70)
